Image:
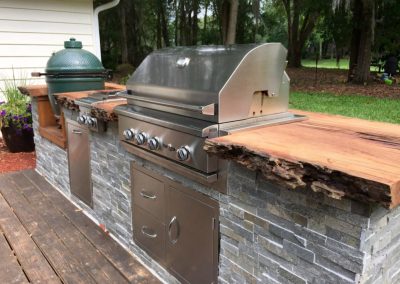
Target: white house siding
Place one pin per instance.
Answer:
(31, 30)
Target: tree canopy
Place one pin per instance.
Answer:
(360, 29)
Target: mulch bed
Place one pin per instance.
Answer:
(12, 162)
(335, 81)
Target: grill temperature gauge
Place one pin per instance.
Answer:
(183, 153)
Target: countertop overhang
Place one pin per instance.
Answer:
(335, 155)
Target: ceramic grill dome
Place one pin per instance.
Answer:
(73, 69)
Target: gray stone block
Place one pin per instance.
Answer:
(290, 276)
(299, 251)
(286, 234)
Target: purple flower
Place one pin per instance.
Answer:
(27, 127)
(29, 108)
(15, 117)
(3, 112)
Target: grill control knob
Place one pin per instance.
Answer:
(153, 143)
(140, 138)
(81, 119)
(183, 153)
(90, 121)
(128, 134)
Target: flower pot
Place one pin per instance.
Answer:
(18, 141)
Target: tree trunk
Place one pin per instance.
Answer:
(224, 20)
(256, 12)
(182, 23)
(355, 38)
(366, 38)
(176, 8)
(195, 24)
(298, 35)
(231, 32)
(206, 3)
(158, 33)
(164, 23)
(124, 37)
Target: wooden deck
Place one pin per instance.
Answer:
(46, 239)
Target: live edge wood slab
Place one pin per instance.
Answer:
(335, 155)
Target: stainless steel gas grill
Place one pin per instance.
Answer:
(178, 97)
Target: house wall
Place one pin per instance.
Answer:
(30, 31)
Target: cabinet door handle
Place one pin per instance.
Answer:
(173, 220)
(152, 236)
(146, 195)
(76, 131)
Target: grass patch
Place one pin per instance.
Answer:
(331, 64)
(386, 110)
(326, 63)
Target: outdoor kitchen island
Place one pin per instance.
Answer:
(273, 226)
(307, 205)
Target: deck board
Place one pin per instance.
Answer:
(119, 257)
(11, 271)
(53, 241)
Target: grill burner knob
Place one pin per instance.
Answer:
(140, 138)
(154, 144)
(81, 119)
(90, 121)
(182, 153)
(128, 134)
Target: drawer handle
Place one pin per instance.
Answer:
(152, 236)
(146, 195)
(173, 220)
(76, 131)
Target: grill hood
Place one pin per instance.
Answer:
(213, 83)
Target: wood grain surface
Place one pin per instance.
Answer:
(46, 239)
(336, 155)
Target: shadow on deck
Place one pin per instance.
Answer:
(46, 239)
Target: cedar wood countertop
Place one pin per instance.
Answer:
(336, 155)
(102, 110)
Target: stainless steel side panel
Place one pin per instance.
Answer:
(192, 236)
(261, 70)
(79, 162)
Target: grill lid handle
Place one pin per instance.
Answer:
(205, 110)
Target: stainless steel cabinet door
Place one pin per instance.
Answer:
(79, 162)
(192, 236)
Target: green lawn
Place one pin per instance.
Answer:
(329, 64)
(387, 110)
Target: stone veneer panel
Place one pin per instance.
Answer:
(276, 235)
(51, 160)
(268, 234)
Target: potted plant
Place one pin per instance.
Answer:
(16, 119)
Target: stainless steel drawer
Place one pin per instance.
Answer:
(149, 233)
(148, 193)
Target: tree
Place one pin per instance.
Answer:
(302, 16)
(362, 39)
(229, 20)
